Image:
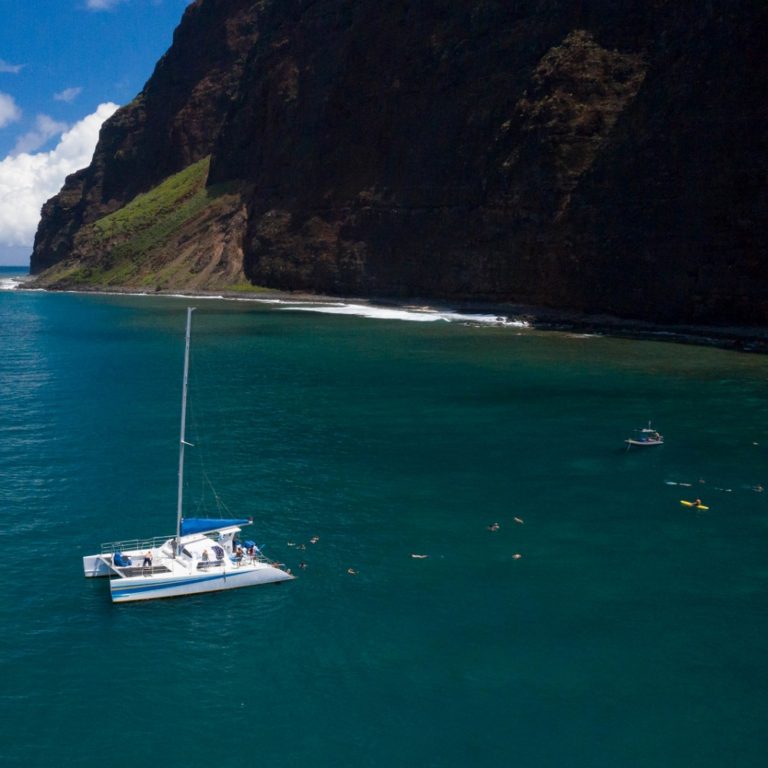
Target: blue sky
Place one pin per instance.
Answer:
(65, 65)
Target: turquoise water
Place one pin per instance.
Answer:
(630, 632)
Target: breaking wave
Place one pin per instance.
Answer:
(408, 314)
(11, 283)
(420, 314)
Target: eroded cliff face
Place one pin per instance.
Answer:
(170, 125)
(597, 156)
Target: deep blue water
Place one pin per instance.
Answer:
(631, 632)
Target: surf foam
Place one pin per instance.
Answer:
(413, 315)
(10, 283)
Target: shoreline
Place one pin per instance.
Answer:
(737, 338)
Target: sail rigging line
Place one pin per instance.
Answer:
(220, 504)
(199, 493)
(202, 508)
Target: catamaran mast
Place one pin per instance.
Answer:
(182, 442)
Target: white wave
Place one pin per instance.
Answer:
(11, 283)
(414, 315)
(272, 301)
(145, 294)
(195, 296)
(486, 319)
(374, 313)
(409, 314)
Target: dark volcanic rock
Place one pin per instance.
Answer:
(592, 155)
(172, 123)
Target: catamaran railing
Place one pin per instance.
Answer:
(131, 545)
(110, 547)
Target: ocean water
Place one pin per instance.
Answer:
(630, 631)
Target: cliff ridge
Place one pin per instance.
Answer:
(590, 156)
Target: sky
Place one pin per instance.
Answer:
(65, 67)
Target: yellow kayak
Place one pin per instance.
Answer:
(692, 504)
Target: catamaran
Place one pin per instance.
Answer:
(204, 555)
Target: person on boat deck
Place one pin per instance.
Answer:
(204, 558)
(148, 559)
(239, 553)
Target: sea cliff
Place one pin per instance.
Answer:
(595, 157)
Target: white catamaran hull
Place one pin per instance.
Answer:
(154, 587)
(94, 566)
(191, 572)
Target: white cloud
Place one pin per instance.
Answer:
(101, 5)
(45, 128)
(8, 110)
(68, 94)
(13, 69)
(28, 180)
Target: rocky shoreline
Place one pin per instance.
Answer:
(733, 337)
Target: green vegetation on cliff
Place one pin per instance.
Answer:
(152, 218)
(140, 244)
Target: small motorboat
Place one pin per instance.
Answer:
(645, 436)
